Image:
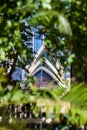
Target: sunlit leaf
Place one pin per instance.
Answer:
(64, 25)
(17, 96)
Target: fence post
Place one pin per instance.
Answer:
(40, 125)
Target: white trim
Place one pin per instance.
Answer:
(40, 51)
(47, 71)
(51, 74)
(38, 54)
(37, 63)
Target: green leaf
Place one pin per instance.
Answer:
(17, 96)
(2, 54)
(46, 4)
(64, 25)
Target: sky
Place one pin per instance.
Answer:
(37, 44)
(37, 40)
(19, 73)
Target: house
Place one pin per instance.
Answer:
(46, 71)
(42, 67)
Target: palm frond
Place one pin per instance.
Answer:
(77, 96)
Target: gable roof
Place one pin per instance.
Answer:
(36, 66)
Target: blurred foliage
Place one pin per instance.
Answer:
(13, 53)
(77, 116)
(16, 124)
(53, 19)
(77, 96)
(77, 18)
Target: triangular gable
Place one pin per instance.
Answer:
(38, 55)
(36, 63)
(57, 80)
